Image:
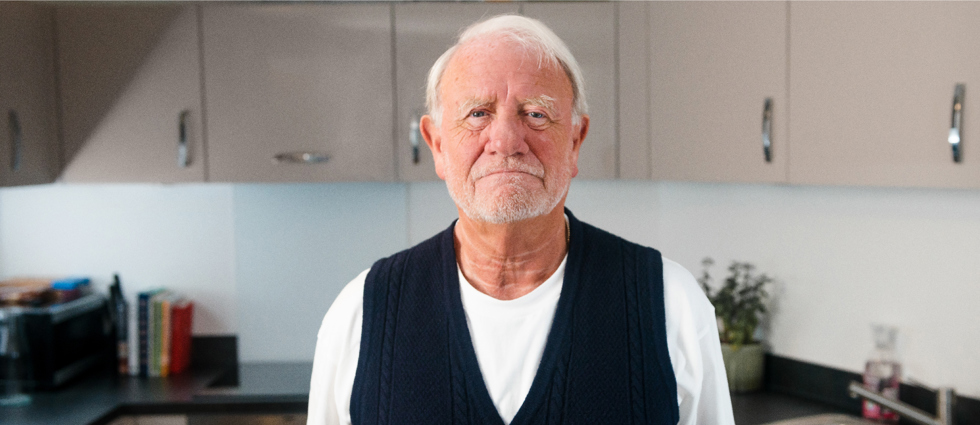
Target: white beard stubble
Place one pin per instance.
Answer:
(523, 199)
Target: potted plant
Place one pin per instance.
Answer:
(739, 303)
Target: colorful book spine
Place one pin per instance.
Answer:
(156, 332)
(165, 334)
(134, 339)
(142, 301)
(182, 317)
(144, 324)
(165, 322)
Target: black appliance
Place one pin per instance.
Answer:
(56, 343)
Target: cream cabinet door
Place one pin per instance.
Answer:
(872, 86)
(299, 92)
(423, 31)
(29, 149)
(131, 93)
(633, 91)
(589, 30)
(713, 65)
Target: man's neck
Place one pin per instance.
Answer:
(507, 261)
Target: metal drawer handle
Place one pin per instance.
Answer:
(414, 137)
(183, 153)
(301, 158)
(954, 129)
(767, 129)
(16, 140)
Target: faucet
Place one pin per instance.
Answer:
(944, 405)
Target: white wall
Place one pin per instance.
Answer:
(180, 237)
(265, 260)
(296, 247)
(846, 258)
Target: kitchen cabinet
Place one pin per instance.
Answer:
(423, 31)
(29, 150)
(713, 65)
(873, 85)
(299, 92)
(589, 30)
(131, 93)
(677, 90)
(633, 91)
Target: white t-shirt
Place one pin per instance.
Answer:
(509, 339)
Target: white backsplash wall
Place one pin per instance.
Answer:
(179, 237)
(629, 209)
(847, 258)
(297, 246)
(430, 210)
(265, 261)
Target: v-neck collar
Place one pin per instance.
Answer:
(555, 357)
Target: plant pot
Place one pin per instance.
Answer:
(744, 367)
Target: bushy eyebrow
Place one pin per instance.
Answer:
(542, 101)
(472, 103)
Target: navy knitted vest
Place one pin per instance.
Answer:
(605, 360)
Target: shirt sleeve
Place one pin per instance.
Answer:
(695, 351)
(692, 343)
(338, 345)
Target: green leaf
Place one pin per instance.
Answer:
(739, 302)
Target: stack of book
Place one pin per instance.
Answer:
(162, 344)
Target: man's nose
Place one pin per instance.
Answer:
(507, 136)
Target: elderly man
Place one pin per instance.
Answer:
(518, 313)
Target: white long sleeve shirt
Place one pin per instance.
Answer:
(509, 339)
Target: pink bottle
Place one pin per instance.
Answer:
(882, 374)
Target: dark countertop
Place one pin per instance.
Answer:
(764, 407)
(100, 396)
(264, 388)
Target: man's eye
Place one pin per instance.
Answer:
(478, 114)
(537, 120)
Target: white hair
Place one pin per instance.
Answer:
(534, 37)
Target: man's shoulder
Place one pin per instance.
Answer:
(345, 310)
(675, 272)
(683, 295)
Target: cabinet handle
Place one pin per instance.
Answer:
(414, 137)
(16, 140)
(183, 154)
(954, 129)
(300, 158)
(767, 129)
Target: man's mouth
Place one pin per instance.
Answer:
(508, 172)
(510, 169)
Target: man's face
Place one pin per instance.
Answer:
(506, 146)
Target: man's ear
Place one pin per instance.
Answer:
(577, 139)
(430, 132)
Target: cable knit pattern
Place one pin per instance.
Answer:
(557, 397)
(460, 401)
(388, 346)
(603, 362)
(635, 341)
